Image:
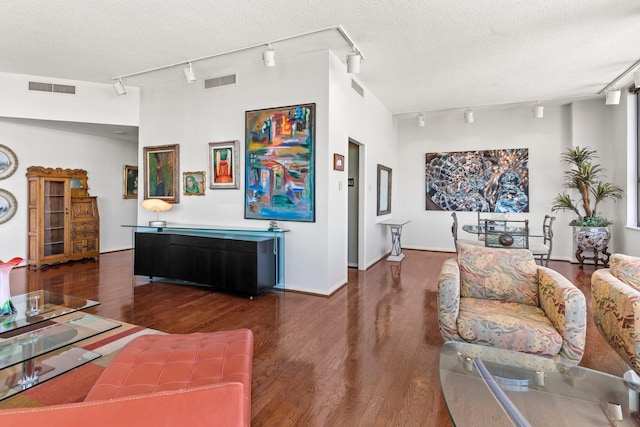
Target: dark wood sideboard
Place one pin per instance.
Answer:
(245, 264)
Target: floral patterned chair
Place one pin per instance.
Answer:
(502, 298)
(615, 293)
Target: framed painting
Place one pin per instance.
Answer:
(130, 182)
(193, 183)
(338, 162)
(8, 206)
(478, 181)
(384, 190)
(161, 172)
(8, 162)
(280, 163)
(224, 165)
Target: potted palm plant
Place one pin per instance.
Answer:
(590, 228)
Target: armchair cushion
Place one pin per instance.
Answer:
(626, 269)
(508, 275)
(513, 326)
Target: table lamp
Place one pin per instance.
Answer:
(156, 205)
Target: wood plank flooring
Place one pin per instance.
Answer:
(366, 356)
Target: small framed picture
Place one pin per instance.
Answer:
(130, 182)
(338, 162)
(224, 158)
(161, 172)
(193, 183)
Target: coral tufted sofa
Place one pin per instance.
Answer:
(201, 379)
(615, 293)
(502, 298)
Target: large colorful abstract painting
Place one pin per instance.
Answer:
(280, 166)
(478, 181)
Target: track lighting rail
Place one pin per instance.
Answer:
(337, 28)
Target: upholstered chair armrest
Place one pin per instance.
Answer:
(449, 299)
(566, 307)
(213, 405)
(616, 313)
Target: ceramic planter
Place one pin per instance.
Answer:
(592, 238)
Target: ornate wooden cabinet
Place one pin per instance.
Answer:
(64, 224)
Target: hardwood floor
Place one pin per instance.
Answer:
(366, 356)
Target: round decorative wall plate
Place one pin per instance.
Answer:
(8, 206)
(8, 162)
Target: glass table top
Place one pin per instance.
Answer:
(490, 386)
(51, 337)
(36, 341)
(50, 305)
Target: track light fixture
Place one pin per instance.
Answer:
(353, 62)
(612, 97)
(538, 111)
(635, 68)
(468, 115)
(269, 56)
(119, 88)
(189, 74)
(422, 121)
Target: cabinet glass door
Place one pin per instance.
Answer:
(54, 212)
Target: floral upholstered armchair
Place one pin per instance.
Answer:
(502, 298)
(615, 293)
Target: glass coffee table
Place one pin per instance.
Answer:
(36, 342)
(490, 386)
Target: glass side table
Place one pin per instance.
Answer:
(35, 356)
(491, 386)
(49, 306)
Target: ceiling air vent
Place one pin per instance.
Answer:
(42, 87)
(50, 87)
(64, 89)
(220, 81)
(357, 88)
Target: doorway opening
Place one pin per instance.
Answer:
(355, 200)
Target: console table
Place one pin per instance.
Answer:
(240, 260)
(396, 231)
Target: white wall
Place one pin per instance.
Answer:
(504, 128)
(367, 121)
(621, 142)
(176, 112)
(92, 102)
(586, 123)
(102, 158)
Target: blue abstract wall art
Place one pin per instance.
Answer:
(478, 181)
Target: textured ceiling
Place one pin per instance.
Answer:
(423, 55)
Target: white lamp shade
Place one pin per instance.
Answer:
(156, 205)
(353, 63)
(468, 116)
(612, 97)
(269, 57)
